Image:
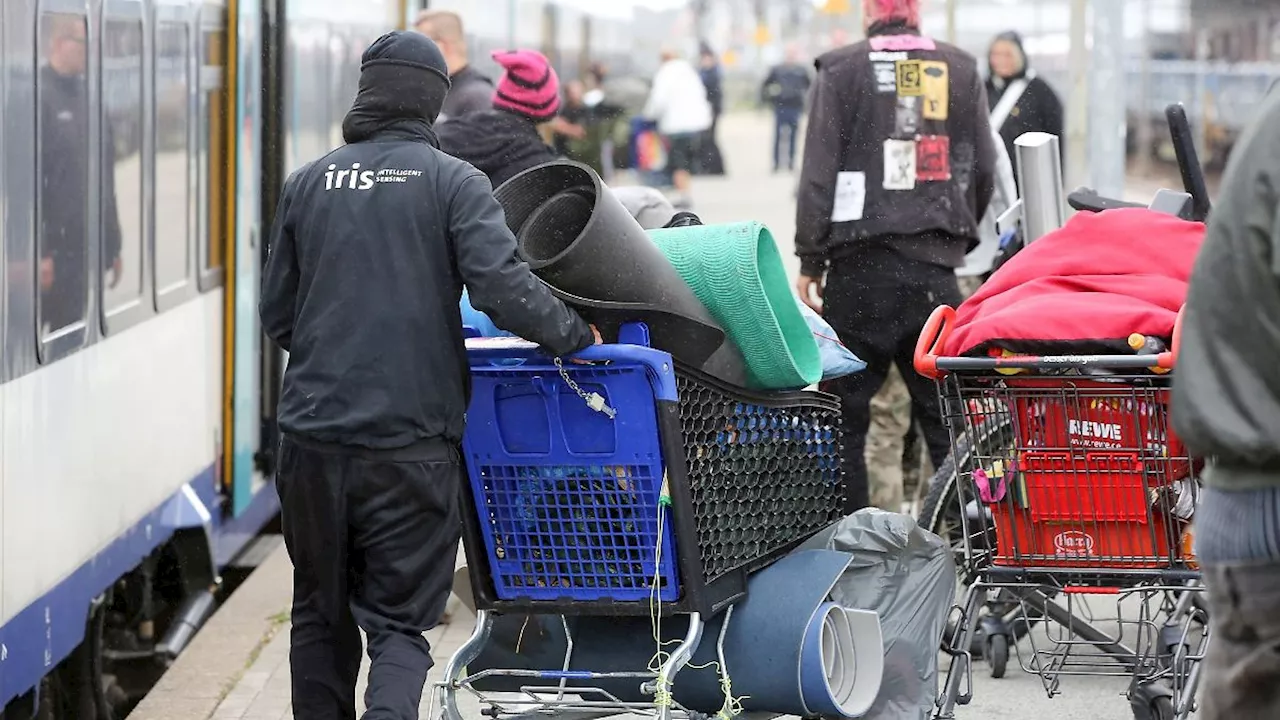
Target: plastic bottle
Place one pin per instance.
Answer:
(1188, 547)
(1148, 345)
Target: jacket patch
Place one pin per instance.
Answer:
(899, 165)
(933, 158)
(885, 77)
(962, 165)
(935, 86)
(906, 117)
(903, 42)
(908, 80)
(850, 198)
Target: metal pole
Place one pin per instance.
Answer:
(513, 10)
(1145, 131)
(951, 21)
(1078, 98)
(1107, 101)
(1200, 123)
(1040, 177)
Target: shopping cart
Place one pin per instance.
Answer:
(1075, 487)
(629, 485)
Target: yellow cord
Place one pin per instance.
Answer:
(732, 707)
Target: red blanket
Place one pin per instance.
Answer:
(1084, 288)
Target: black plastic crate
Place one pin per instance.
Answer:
(751, 475)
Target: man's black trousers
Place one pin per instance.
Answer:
(878, 302)
(373, 536)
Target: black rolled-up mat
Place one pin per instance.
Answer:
(788, 648)
(580, 240)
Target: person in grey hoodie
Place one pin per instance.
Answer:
(1226, 407)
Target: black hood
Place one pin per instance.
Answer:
(403, 83)
(498, 143)
(1016, 39)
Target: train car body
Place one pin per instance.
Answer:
(136, 390)
(144, 143)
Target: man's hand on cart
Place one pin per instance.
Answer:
(595, 332)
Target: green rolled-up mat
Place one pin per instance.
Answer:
(736, 271)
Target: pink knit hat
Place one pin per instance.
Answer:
(529, 86)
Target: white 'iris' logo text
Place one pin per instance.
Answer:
(357, 179)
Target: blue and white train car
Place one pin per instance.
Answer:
(144, 143)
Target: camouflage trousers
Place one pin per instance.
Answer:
(895, 478)
(890, 423)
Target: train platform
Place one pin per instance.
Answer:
(237, 668)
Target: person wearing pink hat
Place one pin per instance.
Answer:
(504, 141)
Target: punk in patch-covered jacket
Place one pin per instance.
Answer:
(899, 145)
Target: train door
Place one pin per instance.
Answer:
(243, 335)
(5, 11)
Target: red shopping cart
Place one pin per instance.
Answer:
(1073, 485)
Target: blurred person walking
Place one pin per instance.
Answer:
(1226, 406)
(1020, 101)
(504, 140)
(678, 103)
(470, 90)
(371, 249)
(786, 88)
(710, 161)
(898, 169)
(586, 127)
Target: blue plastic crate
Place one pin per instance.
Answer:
(567, 498)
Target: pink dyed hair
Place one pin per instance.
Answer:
(905, 10)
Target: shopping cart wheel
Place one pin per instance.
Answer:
(997, 654)
(1152, 701)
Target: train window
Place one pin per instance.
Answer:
(211, 148)
(174, 191)
(62, 196)
(121, 236)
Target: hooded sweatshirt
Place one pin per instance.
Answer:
(1037, 110)
(1226, 396)
(499, 143)
(371, 248)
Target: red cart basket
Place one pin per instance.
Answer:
(1071, 482)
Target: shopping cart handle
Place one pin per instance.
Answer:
(514, 348)
(933, 337)
(938, 329)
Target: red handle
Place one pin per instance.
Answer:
(934, 335)
(1166, 359)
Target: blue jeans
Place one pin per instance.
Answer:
(787, 121)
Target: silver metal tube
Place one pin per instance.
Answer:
(1040, 178)
(1107, 100)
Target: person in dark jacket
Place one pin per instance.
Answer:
(503, 141)
(786, 88)
(470, 90)
(65, 149)
(1226, 406)
(1020, 101)
(898, 168)
(710, 159)
(371, 247)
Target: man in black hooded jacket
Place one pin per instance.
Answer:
(370, 251)
(899, 166)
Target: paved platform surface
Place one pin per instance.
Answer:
(238, 667)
